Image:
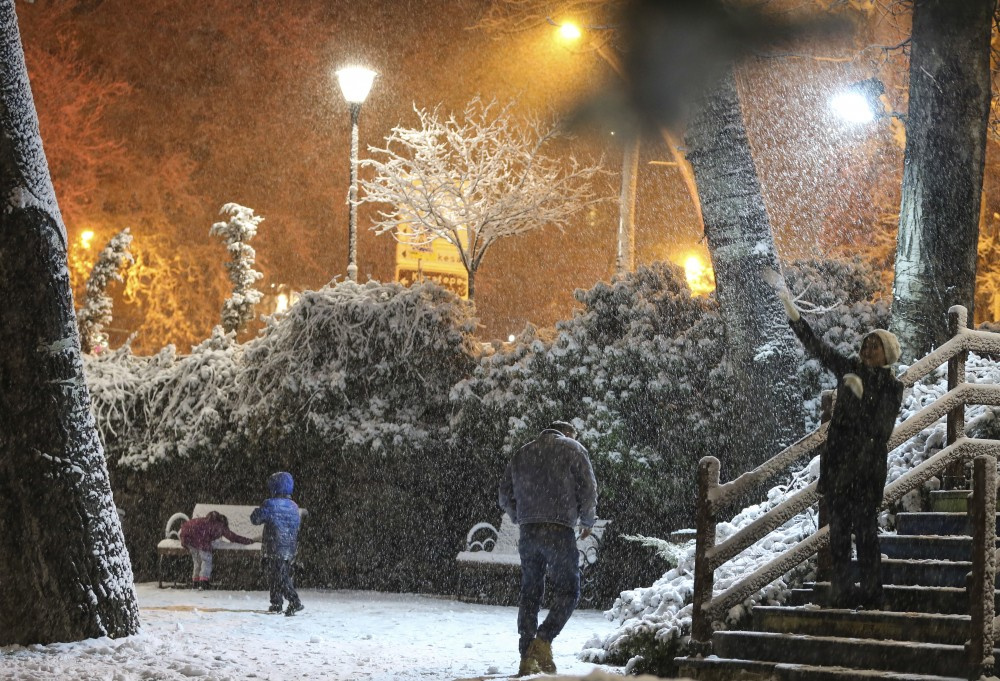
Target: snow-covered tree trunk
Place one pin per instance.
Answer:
(936, 246)
(65, 574)
(760, 343)
(95, 313)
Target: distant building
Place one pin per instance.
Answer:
(419, 257)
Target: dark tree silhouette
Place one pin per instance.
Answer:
(943, 169)
(65, 574)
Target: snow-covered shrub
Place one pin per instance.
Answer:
(349, 390)
(360, 368)
(156, 409)
(241, 227)
(95, 313)
(641, 373)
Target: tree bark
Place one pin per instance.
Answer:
(761, 346)
(65, 574)
(943, 171)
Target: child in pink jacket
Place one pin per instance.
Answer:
(197, 536)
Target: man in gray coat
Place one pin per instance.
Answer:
(548, 489)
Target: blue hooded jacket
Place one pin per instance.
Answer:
(280, 517)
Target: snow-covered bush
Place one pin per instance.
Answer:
(95, 313)
(349, 390)
(843, 292)
(241, 227)
(360, 368)
(157, 409)
(638, 371)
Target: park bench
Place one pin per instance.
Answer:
(239, 522)
(491, 553)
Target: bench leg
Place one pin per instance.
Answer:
(159, 570)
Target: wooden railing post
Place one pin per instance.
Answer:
(828, 399)
(981, 583)
(704, 572)
(958, 319)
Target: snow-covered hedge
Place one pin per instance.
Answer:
(361, 368)
(384, 388)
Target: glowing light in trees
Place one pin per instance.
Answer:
(700, 277)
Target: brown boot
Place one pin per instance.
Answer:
(528, 666)
(540, 650)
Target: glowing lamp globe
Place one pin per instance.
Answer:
(355, 82)
(569, 31)
(852, 107)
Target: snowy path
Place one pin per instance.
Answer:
(342, 635)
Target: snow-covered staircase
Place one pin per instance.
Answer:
(920, 635)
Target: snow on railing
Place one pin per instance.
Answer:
(713, 496)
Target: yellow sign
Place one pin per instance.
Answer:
(437, 260)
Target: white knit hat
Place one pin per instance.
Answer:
(890, 345)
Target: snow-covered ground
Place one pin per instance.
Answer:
(341, 635)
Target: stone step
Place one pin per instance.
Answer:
(878, 624)
(856, 653)
(714, 668)
(952, 500)
(908, 572)
(924, 572)
(935, 523)
(923, 547)
(948, 600)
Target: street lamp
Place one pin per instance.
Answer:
(355, 83)
(625, 257)
(861, 102)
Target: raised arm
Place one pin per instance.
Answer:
(828, 357)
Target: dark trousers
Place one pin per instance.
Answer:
(858, 514)
(279, 580)
(546, 548)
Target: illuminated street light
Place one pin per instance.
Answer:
(355, 83)
(569, 31)
(625, 256)
(852, 107)
(861, 102)
(85, 238)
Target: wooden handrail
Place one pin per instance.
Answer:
(760, 527)
(713, 496)
(725, 493)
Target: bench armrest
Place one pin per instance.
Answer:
(482, 537)
(177, 519)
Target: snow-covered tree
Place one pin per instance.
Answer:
(95, 313)
(66, 574)
(237, 232)
(946, 128)
(759, 342)
(474, 179)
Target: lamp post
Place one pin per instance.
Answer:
(355, 83)
(625, 255)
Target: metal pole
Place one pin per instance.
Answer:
(626, 208)
(352, 196)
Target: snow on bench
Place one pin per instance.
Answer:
(487, 546)
(239, 522)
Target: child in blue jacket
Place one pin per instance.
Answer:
(280, 517)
